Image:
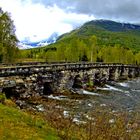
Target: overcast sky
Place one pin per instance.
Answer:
(36, 20)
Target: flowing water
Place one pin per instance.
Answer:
(114, 96)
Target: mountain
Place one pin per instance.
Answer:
(108, 33)
(27, 44)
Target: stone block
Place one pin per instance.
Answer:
(19, 81)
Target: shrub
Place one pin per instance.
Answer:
(10, 103)
(2, 98)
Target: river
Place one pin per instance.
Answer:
(114, 97)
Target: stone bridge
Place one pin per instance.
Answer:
(42, 78)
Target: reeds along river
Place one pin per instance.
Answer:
(114, 97)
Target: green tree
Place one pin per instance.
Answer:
(129, 57)
(82, 50)
(8, 40)
(60, 52)
(72, 51)
(93, 47)
(51, 56)
(137, 58)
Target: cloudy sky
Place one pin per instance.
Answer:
(36, 20)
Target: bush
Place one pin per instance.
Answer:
(9, 103)
(2, 98)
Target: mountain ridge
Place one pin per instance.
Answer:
(115, 26)
(108, 33)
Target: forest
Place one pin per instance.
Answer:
(78, 50)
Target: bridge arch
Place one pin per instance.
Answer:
(77, 82)
(10, 92)
(47, 88)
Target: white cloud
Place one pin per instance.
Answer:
(35, 21)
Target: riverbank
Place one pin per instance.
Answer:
(20, 125)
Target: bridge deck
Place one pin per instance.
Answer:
(44, 67)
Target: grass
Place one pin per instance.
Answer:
(18, 125)
(24, 60)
